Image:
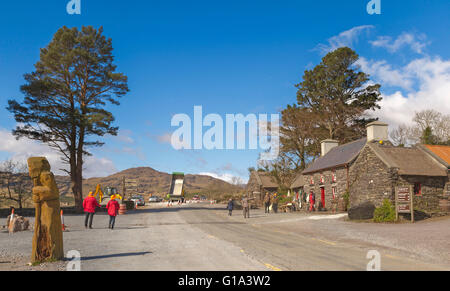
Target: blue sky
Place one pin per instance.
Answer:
(230, 57)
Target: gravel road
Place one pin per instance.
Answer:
(202, 237)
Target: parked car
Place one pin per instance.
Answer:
(196, 198)
(155, 199)
(204, 198)
(138, 199)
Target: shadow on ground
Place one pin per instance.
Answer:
(115, 256)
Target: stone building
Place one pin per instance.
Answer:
(380, 168)
(298, 185)
(260, 183)
(328, 176)
(442, 155)
(371, 168)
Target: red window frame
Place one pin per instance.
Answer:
(417, 189)
(333, 177)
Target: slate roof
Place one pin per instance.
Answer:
(298, 182)
(337, 157)
(265, 180)
(409, 161)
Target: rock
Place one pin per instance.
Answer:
(17, 223)
(363, 211)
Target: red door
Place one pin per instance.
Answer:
(322, 192)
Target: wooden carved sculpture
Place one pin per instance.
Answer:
(48, 237)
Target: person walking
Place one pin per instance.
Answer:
(246, 206)
(312, 201)
(230, 207)
(89, 206)
(113, 209)
(267, 203)
(275, 203)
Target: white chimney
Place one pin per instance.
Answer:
(377, 131)
(327, 145)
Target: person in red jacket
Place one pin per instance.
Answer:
(113, 209)
(89, 205)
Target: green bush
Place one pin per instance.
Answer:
(385, 213)
(346, 197)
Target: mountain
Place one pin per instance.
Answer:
(146, 181)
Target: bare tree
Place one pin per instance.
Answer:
(401, 136)
(15, 184)
(237, 181)
(429, 120)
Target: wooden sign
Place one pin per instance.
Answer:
(404, 201)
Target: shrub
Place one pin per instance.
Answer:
(385, 213)
(346, 197)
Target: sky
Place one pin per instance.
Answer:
(229, 57)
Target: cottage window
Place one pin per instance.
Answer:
(311, 181)
(322, 179)
(417, 189)
(333, 177)
(333, 191)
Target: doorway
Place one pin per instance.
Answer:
(322, 196)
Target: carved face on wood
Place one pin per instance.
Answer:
(38, 165)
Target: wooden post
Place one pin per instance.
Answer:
(123, 190)
(411, 193)
(396, 203)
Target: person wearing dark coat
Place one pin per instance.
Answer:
(230, 207)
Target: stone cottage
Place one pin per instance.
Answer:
(260, 183)
(328, 176)
(381, 167)
(442, 155)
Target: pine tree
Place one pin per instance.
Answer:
(66, 95)
(339, 93)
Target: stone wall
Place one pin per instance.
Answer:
(432, 191)
(370, 180)
(327, 184)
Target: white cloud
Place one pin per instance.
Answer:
(432, 79)
(20, 150)
(227, 177)
(347, 38)
(385, 74)
(417, 43)
(125, 136)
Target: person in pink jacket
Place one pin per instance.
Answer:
(89, 206)
(113, 209)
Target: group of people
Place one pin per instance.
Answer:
(246, 205)
(271, 201)
(90, 205)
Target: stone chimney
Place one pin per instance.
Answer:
(327, 145)
(377, 131)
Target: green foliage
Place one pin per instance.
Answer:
(66, 97)
(428, 137)
(283, 199)
(339, 94)
(385, 213)
(346, 197)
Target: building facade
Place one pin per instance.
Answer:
(259, 184)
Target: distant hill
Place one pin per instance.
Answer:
(150, 181)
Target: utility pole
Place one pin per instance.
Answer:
(123, 190)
